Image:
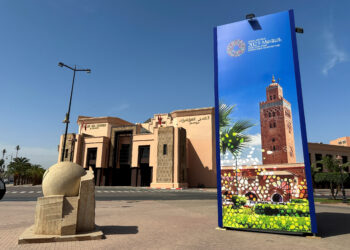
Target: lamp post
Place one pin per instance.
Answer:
(66, 120)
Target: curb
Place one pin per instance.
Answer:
(164, 188)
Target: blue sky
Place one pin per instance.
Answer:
(145, 56)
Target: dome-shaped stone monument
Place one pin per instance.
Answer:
(63, 178)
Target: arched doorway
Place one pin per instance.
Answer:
(276, 197)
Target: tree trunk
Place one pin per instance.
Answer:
(332, 190)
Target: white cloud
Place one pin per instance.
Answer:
(335, 54)
(256, 140)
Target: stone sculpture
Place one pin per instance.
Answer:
(67, 210)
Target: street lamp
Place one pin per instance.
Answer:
(66, 120)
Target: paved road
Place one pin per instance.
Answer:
(31, 193)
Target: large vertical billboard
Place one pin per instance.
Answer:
(264, 177)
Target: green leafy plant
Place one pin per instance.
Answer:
(238, 218)
(289, 209)
(239, 201)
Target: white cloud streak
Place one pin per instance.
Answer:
(335, 54)
(256, 140)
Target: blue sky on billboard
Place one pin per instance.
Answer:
(145, 56)
(243, 78)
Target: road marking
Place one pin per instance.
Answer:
(14, 192)
(98, 191)
(31, 192)
(113, 191)
(106, 191)
(38, 192)
(22, 192)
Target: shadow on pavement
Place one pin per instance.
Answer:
(333, 224)
(110, 230)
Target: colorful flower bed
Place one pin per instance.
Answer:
(293, 217)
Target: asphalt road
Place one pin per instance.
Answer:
(31, 193)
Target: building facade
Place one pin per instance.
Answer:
(319, 150)
(169, 150)
(342, 141)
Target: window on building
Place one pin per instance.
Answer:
(274, 124)
(329, 156)
(270, 125)
(269, 114)
(274, 96)
(318, 157)
(124, 157)
(270, 97)
(273, 148)
(344, 159)
(273, 139)
(165, 149)
(273, 113)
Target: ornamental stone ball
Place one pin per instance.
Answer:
(63, 178)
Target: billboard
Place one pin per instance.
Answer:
(264, 178)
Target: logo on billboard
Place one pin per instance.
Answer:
(236, 48)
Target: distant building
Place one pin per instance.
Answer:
(318, 150)
(167, 151)
(342, 141)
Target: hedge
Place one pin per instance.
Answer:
(289, 209)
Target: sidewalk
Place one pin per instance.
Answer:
(173, 225)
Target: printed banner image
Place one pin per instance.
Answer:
(261, 137)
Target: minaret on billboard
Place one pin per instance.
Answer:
(277, 135)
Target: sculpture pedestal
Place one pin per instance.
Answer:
(28, 236)
(59, 217)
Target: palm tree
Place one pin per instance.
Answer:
(224, 112)
(17, 149)
(2, 166)
(35, 173)
(232, 135)
(3, 153)
(18, 168)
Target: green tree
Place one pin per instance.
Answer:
(233, 137)
(17, 149)
(2, 167)
(18, 168)
(35, 173)
(224, 115)
(334, 175)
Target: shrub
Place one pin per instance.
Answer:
(299, 201)
(239, 201)
(289, 209)
(236, 218)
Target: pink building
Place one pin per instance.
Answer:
(170, 150)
